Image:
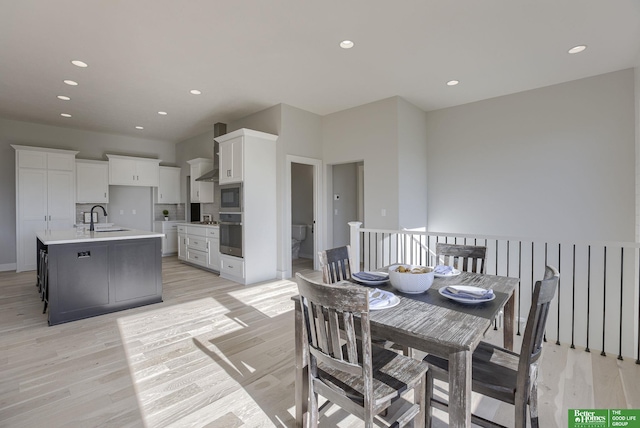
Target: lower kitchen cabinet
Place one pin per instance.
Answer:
(199, 245)
(170, 240)
(232, 268)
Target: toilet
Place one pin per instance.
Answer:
(298, 233)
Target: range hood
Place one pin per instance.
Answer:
(213, 175)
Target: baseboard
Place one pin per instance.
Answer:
(7, 266)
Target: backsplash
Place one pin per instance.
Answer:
(176, 211)
(85, 208)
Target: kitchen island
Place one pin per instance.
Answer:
(95, 273)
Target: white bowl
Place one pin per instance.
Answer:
(412, 283)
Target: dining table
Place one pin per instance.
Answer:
(432, 323)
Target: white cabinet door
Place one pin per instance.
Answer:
(201, 191)
(92, 182)
(169, 185)
(213, 245)
(61, 197)
(182, 246)
(122, 172)
(32, 200)
(147, 173)
(231, 161)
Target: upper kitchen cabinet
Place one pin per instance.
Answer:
(92, 181)
(201, 191)
(45, 197)
(133, 171)
(169, 186)
(231, 159)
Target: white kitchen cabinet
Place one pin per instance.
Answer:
(213, 248)
(182, 242)
(201, 191)
(92, 181)
(133, 171)
(198, 244)
(256, 154)
(170, 239)
(231, 160)
(45, 197)
(169, 185)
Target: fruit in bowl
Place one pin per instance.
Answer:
(410, 278)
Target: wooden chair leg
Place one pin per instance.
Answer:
(313, 405)
(419, 397)
(428, 395)
(533, 405)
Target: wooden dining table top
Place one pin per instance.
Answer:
(430, 317)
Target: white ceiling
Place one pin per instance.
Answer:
(246, 55)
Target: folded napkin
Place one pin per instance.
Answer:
(370, 276)
(379, 298)
(443, 270)
(479, 294)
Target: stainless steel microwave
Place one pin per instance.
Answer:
(231, 198)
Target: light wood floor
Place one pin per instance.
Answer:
(214, 354)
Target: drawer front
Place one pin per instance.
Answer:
(197, 231)
(196, 256)
(213, 232)
(197, 242)
(232, 266)
(182, 228)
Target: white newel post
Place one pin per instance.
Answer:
(355, 245)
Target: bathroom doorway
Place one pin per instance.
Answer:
(303, 220)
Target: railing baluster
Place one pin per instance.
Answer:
(519, 283)
(559, 267)
(604, 303)
(573, 301)
(621, 296)
(588, 294)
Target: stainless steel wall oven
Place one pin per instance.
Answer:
(231, 234)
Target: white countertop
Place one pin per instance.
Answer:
(71, 236)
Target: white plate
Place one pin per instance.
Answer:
(364, 281)
(455, 272)
(464, 299)
(394, 301)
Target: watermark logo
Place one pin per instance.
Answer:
(604, 418)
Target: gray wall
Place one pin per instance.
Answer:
(91, 145)
(556, 162)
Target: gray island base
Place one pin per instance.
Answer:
(101, 272)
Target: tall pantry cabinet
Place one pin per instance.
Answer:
(45, 197)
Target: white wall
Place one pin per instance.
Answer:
(556, 162)
(91, 145)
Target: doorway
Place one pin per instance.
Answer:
(302, 214)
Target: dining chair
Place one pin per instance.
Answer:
(502, 374)
(335, 264)
(469, 258)
(343, 365)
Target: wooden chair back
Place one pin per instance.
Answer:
(335, 264)
(468, 258)
(531, 349)
(328, 312)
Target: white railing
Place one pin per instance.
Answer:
(598, 299)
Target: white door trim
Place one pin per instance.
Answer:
(317, 209)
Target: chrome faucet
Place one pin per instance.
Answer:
(91, 228)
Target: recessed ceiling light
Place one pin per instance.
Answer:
(139, 127)
(65, 115)
(162, 113)
(577, 49)
(195, 92)
(79, 63)
(71, 83)
(453, 82)
(64, 98)
(346, 44)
